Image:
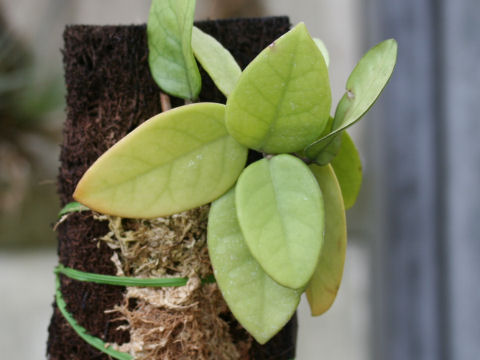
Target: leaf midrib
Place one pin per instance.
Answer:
(155, 167)
(281, 213)
(186, 69)
(271, 128)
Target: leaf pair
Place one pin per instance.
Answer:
(265, 237)
(173, 41)
(259, 303)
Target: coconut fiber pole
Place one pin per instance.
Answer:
(110, 92)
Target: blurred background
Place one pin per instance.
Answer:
(410, 288)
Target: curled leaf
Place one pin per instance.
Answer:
(169, 31)
(178, 160)
(282, 100)
(261, 305)
(216, 60)
(325, 282)
(348, 170)
(280, 211)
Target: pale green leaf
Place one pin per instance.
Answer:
(325, 282)
(171, 60)
(321, 46)
(323, 152)
(261, 305)
(348, 169)
(282, 100)
(364, 86)
(178, 160)
(216, 60)
(329, 151)
(280, 211)
(71, 208)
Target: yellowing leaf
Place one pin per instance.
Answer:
(348, 169)
(216, 60)
(261, 305)
(170, 56)
(175, 161)
(282, 100)
(280, 211)
(324, 284)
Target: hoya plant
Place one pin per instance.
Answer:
(276, 227)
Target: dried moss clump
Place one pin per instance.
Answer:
(189, 322)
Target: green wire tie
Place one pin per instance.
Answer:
(78, 275)
(96, 342)
(126, 280)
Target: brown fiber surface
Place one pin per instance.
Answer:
(110, 92)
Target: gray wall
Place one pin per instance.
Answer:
(427, 172)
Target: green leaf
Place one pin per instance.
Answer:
(178, 160)
(282, 100)
(323, 49)
(261, 305)
(364, 86)
(170, 56)
(71, 208)
(216, 60)
(348, 169)
(324, 152)
(323, 286)
(329, 151)
(280, 211)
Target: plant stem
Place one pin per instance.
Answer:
(165, 102)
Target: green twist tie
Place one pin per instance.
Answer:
(108, 280)
(96, 342)
(78, 275)
(125, 280)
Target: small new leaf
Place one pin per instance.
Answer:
(216, 60)
(282, 100)
(261, 305)
(348, 170)
(178, 160)
(325, 282)
(169, 31)
(280, 211)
